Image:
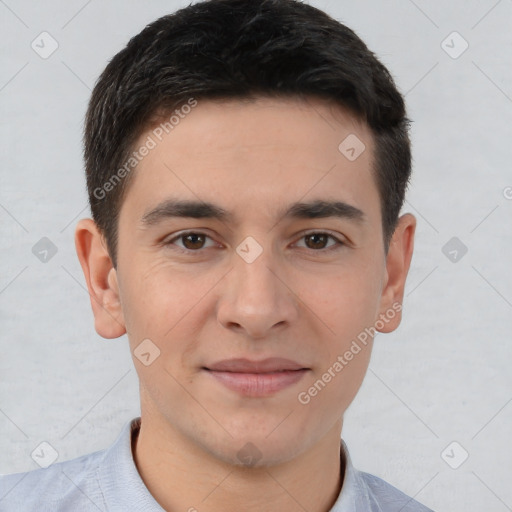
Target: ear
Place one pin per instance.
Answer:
(398, 261)
(101, 279)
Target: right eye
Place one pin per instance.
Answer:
(192, 241)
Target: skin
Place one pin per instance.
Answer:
(297, 300)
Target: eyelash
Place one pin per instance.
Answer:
(339, 244)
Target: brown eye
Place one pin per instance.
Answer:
(317, 240)
(193, 240)
(190, 241)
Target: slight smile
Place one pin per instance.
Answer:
(257, 378)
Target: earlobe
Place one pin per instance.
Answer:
(101, 278)
(398, 261)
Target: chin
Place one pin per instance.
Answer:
(253, 450)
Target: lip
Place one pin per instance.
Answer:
(242, 365)
(257, 378)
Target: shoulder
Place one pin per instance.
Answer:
(63, 486)
(388, 498)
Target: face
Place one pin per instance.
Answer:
(250, 260)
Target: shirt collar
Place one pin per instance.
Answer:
(119, 479)
(124, 489)
(354, 493)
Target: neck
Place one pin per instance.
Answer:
(182, 476)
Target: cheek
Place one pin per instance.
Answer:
(346, 301)
(346, 308)
(160, 305)
(161, 300)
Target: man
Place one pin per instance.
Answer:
(246, 164)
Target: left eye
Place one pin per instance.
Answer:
(319, 238)
(194, 241)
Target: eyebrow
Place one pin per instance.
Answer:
(171, 208)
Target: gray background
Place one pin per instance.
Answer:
(444, 376)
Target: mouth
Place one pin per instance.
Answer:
(242, 365)
(257, 378)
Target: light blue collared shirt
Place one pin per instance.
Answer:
(108, 480)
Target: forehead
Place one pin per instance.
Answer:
(256, 156)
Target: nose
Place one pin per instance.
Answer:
(257, 299)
